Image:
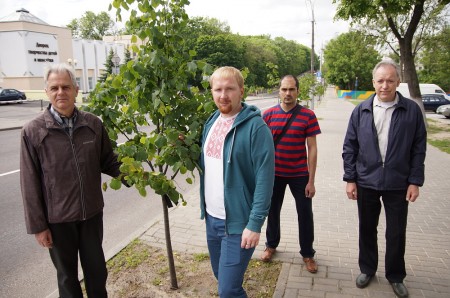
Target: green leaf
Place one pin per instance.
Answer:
(115, 184)
(142, 191)
(192, 66)
(141, 155)
(161, 141)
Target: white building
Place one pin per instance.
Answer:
(29, 44)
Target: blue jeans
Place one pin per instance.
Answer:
(228, 260)
(305, 217)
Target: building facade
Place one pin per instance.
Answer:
(28, 44)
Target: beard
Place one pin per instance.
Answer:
(225, 109)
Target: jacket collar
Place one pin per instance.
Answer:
(368, 104)
(51, 122)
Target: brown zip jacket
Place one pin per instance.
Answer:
(60, 175)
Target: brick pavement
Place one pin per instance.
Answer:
(336, 226)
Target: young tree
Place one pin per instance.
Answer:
(109, 66)
(402, 18)
(152, 90)
(127, 55)
(92, 26)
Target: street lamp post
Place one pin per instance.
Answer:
(72, 62)
(115, 60)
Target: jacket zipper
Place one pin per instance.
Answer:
(83, 204)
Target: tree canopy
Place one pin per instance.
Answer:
(435, 60)
(401, 19)
(92, 26)
(350, 57)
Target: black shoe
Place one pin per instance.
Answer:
(399, 289)
(363, 280)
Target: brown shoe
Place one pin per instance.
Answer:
(311, 264)
(267, 254)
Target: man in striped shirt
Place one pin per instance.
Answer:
(295, 165)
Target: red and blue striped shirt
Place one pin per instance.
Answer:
(291, 154)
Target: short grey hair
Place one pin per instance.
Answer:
(60, 68)
(386, 62)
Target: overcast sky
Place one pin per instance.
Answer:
(290, 19)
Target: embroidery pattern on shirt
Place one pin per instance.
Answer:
(214, 148)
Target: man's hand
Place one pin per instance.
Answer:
(310, 190)
(250, 239)
(44, 238)
(412, 193)
(351, 191)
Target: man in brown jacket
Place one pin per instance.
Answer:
(63, 153)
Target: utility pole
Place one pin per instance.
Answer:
(312, 51)
(312, 46)
(312, 37)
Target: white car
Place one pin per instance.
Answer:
(444, 110)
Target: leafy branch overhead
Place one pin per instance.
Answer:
(401, 25)
(151, 105)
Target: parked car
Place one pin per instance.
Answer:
(432, 101)
(12, 96)
(424, 89)
(444, 110)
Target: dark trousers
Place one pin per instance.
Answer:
(85, 238)
(303, 205)
(396, 211)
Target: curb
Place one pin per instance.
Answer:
(10, 128)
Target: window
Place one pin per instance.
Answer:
(91, 83)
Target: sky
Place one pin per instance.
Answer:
(290, 19)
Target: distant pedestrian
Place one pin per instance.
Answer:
(295, 165)
(384, 152)
(64, 151)
(237, 163)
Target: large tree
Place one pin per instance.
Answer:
(350, 57)
(92, 26)
(220, 50)
(297, 57)
(203, 26)
(401, 18)
(150, 103)
(259, 51)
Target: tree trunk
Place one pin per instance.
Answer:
(410, 73)
(173, 274)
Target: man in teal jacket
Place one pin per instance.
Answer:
(237, 163)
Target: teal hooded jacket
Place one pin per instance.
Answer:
(248, 170)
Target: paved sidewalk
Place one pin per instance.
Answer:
(336, 226)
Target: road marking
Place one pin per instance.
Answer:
(7, 173)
